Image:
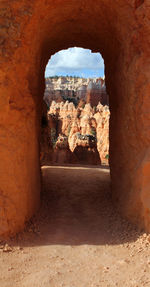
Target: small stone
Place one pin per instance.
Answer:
(148, 238)
(140, 250)
(7, 248)
(148, 262)
(127, 261)
(121, 262)
(144, 235)
(106, 269)
(10, 268)
(19, 248)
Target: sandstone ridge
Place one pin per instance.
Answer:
(75, 89)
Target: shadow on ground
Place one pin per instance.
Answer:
(76, 209)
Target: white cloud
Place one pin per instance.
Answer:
(74, 60)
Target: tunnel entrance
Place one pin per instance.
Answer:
(76, 109)
(75, 105)
(31, 33)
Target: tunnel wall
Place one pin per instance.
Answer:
(30, 32)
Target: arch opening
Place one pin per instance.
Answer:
(78, 109)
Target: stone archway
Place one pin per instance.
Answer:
(31, 31)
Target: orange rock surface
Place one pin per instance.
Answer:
(82, 121)
(62, 154)
(30, 32)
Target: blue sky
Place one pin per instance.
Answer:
(75, 62)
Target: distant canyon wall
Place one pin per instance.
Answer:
(76, 89)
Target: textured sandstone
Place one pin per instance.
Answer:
(62, 154)
(74, 89)
(30, 32)
(85, 149)
(96, 92)
(85, 121)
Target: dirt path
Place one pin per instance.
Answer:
(77, 239)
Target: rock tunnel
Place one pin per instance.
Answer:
(30, 32)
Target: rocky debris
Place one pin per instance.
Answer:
(6, 248)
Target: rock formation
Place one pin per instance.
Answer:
(85, 149)
(85, 130)
(32, 31)
(61, 152)
(96, 92)
(74, 89)
(88, 118)
(102, 117)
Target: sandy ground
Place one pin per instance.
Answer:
(77, 239)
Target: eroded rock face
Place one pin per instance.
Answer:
(85, 127)
(75, 89)
(61, 153)
(102, 117)
(46, 141)
(31, 32)
(96, 92)
(85, 149)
